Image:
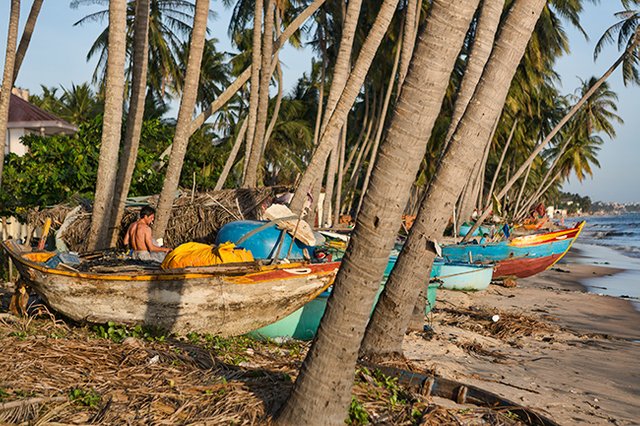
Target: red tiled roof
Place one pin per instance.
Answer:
(26, 114)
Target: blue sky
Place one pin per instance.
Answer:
(57, 56)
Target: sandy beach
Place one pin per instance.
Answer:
(580, 366)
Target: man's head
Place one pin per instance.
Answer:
(148, 213)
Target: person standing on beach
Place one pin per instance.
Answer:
(138, 237)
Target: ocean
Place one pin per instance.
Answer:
(613, 241)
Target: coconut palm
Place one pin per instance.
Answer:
(25, 39)
(7, 76)
(185, 114)
(322, 392)
(135, 114)
(391, 317)
(628, 32)
(111, 126)
(169, 27)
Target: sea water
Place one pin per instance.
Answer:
(613, 241)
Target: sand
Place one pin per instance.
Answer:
(581, 366)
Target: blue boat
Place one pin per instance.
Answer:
(520, 257)
(264, 241)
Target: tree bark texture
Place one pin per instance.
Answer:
(111, 126)
(383, 116)
(7, 77)
(127, 161)
(411, 273)
(232, 156)
(488, 22)
(25, 39)
(185, 114)
(255, 156)
(504, 153)
(254, 94)
(322, 391)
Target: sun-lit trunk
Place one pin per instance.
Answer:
(25, 39)
(383, 115)
(487, 26)
(7, 77)
(408, 39)
(237, 84)
(98, 237)
(232, 156)
(322, 391)
(499, 166)
(338, 202)
(255, 155)
(187, 106)
(127, 161)
(254, 93)
(410, 275)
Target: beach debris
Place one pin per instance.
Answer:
(495, 318)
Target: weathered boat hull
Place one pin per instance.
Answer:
(303, 323)
(212, 302)
(455, 275)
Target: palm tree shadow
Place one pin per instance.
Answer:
(164, 301)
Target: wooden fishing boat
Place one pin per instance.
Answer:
(224, 300)
(520, 257)
(466, 227)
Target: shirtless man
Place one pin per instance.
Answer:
(138, 237)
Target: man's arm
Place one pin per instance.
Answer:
(149, 242)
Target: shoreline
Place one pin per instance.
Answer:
(557, 348)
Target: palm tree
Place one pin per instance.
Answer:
(7, 77)
(391, 317)
(628, 31)
(25, 39)
(114, 94)
(169, 27)
(135, 114)
(322, 392)
(185, 114)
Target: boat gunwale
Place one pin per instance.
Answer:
(239, 277)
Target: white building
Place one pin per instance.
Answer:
(26, 118)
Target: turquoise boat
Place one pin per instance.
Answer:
(455, 275)
(466, 227)
(303, 323)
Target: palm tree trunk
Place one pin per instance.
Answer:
(383, 115)
(276, 108)
(358, 144)
(536, 195)
(408, 39)
(338, 203)
(230, 91)
(232, 156)
(111, 126)
(389, 322)
(332, 169)
(487, 26)
(254, 94)
(315, 170)
(499, 166)
(7, 77)
(323, 70)
(187, 106)
(551, 135)
(322, 391)
(251, 177)
(524, 184)
(25, 39)
(135, 115)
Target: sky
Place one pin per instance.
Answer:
(57, 56)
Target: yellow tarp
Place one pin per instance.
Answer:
(198, 254)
